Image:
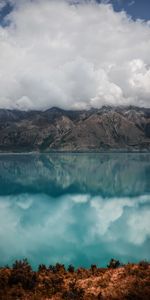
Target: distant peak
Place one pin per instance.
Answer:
(54, 109)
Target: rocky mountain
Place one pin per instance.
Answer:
(108, 128)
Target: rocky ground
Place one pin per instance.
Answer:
(108, 128)
(131, 281)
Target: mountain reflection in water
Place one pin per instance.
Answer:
(74, 208)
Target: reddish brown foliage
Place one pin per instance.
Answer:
(124, 283)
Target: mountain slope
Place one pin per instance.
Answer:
(108, 128)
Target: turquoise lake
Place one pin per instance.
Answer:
(78, 209)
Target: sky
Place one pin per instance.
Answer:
(74, 54)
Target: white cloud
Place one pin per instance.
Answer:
(66, 229)
(107, 212)
(73, 56)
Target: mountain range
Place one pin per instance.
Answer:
(105, 129)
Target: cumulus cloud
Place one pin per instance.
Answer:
(74, 56)
(67, 230)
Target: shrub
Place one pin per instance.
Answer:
(57, 268)
(93, 268)
(113, 264)
(73, 293)
(4, 278)
(71, 269)
(144, 264)
(22, 274)
(42, 268)
(16, 292)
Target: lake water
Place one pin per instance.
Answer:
(79, 209)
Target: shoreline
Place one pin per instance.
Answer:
(75, 152)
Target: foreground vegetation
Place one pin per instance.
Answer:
(131, 281)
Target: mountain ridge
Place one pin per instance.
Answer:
(111, 128)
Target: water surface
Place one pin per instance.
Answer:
(81, 209)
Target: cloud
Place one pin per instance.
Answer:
(2, 4)
(108, 212)
(42, 229)
(72, 56)
(131, 3)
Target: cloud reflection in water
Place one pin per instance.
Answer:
(78, 229)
